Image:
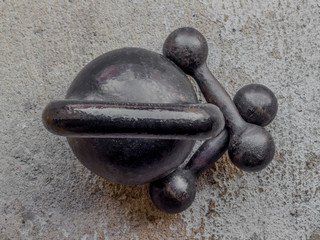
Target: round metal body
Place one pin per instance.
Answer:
(131, 75)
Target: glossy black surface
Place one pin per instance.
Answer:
(131, 75)
(256, 104)
(75, 118)
(244, 155)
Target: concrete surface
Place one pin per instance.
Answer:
(47, 194)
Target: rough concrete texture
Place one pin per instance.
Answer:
(47, 194)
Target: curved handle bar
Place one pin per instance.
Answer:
(92, 119)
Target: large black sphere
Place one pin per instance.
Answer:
(175, 192)
(256, 104)
(131, 75)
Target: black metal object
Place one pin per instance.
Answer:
(132, 117)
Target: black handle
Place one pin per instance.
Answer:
(73, 118)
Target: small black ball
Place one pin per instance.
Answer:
(175, 192)
(187, 48)
(256, 104)
(252, 150)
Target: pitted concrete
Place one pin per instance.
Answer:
(47, 194)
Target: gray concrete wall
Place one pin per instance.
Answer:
(47, 194)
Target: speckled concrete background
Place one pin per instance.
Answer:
(47, 194)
